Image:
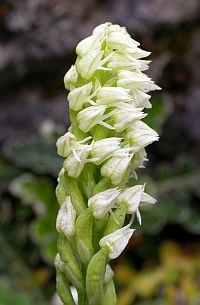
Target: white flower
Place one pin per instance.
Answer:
(117, 28)
(116, 167)
(79, 96)
(116, 241)
(139, 159)
(104, 149)
(89, 63)
(76, 161)
(64, 144)
(125, 116)
(71, 78)
(91, 116)
(68, 144)
(92, 42)
(134, 197)
(120, 41)
(121, 62)
(144, 64)
(103, 202)
(140, 98)
(112, 96)
(131, 197)
(140, 135)
(101, 29)
(65, 222)
(135, 80)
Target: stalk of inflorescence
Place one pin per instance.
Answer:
(105, 144)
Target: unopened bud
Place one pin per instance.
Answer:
(79, 96)
(65, 222)
(71, 78)
(116, 241)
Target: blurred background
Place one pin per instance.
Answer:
(161, 265)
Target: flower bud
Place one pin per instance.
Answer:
(116, 167)
(135, 80)
(140, 135)
(102, 202)
(89, 63)
(75, 162)
(104, 149)
(65, 222)
(116, 241)
(90, 116)
(125, 116)
(59, 263)
(112, 96)
(71, 78)
(108, 274)
(79, 96)
(92, 42)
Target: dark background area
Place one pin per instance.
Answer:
(37, 46)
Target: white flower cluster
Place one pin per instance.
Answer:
(108, 96)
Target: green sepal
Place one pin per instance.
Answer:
(83, 236)
(98, 228)
(63, 289)
(87, 179)
(79, 134)
(61, 189)
(72, 269)
(101, 186)
(100, 132)
(75, 194)
(110, 297)
(82, 298)
(95, 277)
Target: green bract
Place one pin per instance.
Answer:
(104, 145)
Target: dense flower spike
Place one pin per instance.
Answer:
(108, 97)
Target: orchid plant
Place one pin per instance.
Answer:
(105, 144)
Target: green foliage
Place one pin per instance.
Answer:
(37, 154)
(7, 298)
(39, 193)
(177, 198)
(7, 172)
